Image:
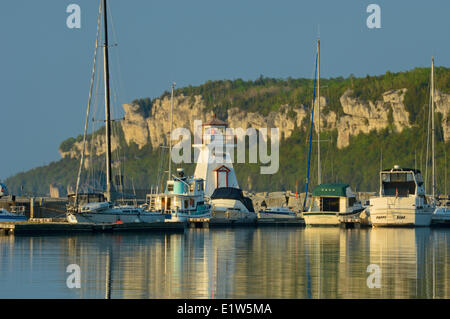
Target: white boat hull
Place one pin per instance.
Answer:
(400, 216)
(262, 215)
(321, 219)
(110, 216)
(441, 216)
(398, 212)
(183, 217)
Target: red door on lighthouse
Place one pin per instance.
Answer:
(222, 176)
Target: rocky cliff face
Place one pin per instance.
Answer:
(359, 117)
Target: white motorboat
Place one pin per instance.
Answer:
(441, 216)
(184, 199)
(277, 213)
(402, 200)
(230, 203)
(330, 203)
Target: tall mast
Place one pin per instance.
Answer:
(319, 173)
(170, 133)
(433, 185)
(109, 187)
(310, 136)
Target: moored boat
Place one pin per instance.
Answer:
(215, 167)
(183, 199)
(441, 216)
(330, 203)
(104, 208)
(277, 213)
(402, 200)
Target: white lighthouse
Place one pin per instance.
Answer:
(214, 163)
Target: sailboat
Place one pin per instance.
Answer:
(402, 200)
(102, 208)
(330, 202)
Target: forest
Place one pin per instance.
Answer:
(358, 164)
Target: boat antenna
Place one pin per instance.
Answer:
(170, 133)
(109, 186)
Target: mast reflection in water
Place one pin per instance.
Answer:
(230, 263)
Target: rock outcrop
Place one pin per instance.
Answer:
(358, 116)
(365, 116)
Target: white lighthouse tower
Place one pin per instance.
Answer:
(214, 163)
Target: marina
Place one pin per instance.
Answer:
(227, 185)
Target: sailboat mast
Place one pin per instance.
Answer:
(319, 173)
(107, 106)
(170, 133)
(310, 136)
(433, 170)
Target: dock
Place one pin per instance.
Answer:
(243, 222)
(354, 222)
(50, 226)
(58, 227)
(288, 222)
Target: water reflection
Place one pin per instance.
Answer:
(230, 263)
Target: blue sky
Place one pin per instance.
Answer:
(45, 67)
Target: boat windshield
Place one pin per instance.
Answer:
(398, 184)
(329, 204)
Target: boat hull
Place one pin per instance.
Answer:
(108, 217)
(395, 217)
(321, 219)
(272, 215)
(399, 212)
(441, 217)
(184, 217)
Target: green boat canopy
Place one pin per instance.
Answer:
(331, 190)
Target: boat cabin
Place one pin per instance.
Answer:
(333, 198)
(401, 182)
(86, 198)
(181, 193)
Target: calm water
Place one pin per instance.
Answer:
(230, 263)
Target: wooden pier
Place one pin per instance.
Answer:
(53, 227)
(287, 222)
(226, 222)
(50, 226)
(354, 222)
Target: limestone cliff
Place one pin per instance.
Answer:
(358, 116)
